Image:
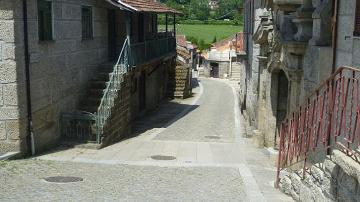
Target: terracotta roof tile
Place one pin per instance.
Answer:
(236, 41)
(181, 40)
(149, 6)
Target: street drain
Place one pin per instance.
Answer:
(163, 158)
(213, 137)
(63, 179)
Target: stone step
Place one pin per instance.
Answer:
(98, 84)
(96, 92)
(92, 101)
(8, 155)
(89, 108)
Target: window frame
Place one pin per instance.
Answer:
(91, 37)
(357, 19)
(52, 20)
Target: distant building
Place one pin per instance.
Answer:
(221, 60)
(214, 4)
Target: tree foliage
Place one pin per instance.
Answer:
(200, 10)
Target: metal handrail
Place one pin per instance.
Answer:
(121, 67)
(328, 119)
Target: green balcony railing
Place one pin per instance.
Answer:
(149, 50)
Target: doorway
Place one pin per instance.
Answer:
(141, 33)
(214, 70)
(279, 99)
(112, 34)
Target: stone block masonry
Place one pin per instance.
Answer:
(180, 82)
(12, 111)
(118, 125)
(337, 179)
(59, 69)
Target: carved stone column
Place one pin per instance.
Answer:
(292, 61)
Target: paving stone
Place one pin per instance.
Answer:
(213, 116)
(25, 181)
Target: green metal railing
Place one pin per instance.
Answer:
(149, 50)
(111, 92)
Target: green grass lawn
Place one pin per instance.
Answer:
(207, 32)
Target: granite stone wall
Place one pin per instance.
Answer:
(348, 45)
(336, 179)
(59, 69)
(12, 82)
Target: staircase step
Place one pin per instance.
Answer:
(92, 101)
(96, 92)
(98, 84)
(89, 108)
(103, 76)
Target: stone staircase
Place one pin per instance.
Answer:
(103, 115)
(236, 71)
(96, 88)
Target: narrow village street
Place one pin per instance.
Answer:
(191, 150)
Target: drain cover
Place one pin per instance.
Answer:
(163, 158)
(63, 179)
(212, 137)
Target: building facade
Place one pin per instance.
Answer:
(291, 48)
(64, 62)
(290, 53)
(221, 60)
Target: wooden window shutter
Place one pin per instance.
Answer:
(45, 20)
(357, 19)
(87, 22)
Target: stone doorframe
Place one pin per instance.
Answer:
(293, 75)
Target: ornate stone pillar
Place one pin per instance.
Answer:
(292, 61)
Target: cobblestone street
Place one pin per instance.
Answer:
(204, 134)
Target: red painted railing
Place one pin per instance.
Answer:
(329, 119)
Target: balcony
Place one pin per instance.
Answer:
(151, 50)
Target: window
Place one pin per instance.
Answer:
(87, 22)
(357, 19)
(45, 20)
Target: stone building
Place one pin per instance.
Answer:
(89, 66)
(221, 60)
(292, 46)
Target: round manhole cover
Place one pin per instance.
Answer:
(63, 179)
(212, 137)
(163, 158)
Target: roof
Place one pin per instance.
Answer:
(144, 6)
(181, 40)
(234, 42)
